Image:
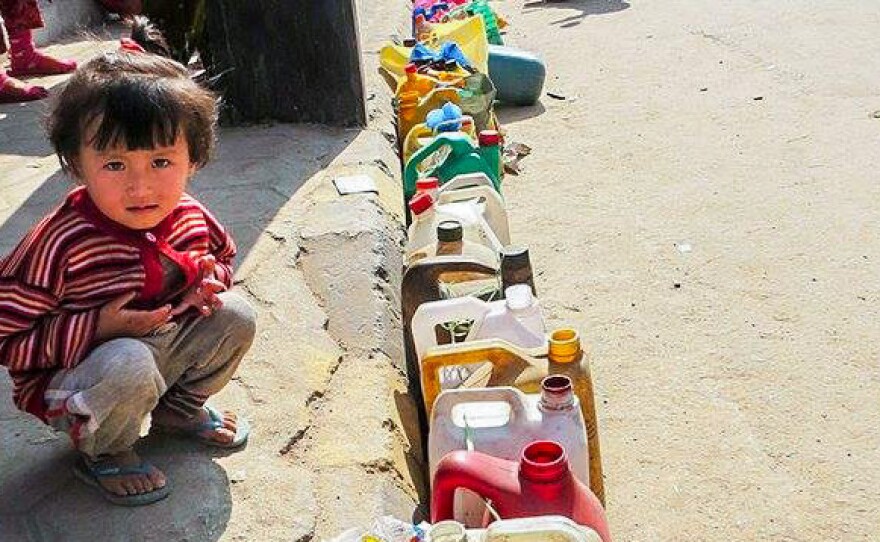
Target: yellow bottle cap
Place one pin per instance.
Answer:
(565, 346)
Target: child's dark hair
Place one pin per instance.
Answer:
(138, 100)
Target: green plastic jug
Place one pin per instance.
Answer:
(463, 157)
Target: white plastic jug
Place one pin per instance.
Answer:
(479, 209)
(516, 319)
(501, 422)
(467, 180)
(487, 200)
(536, 529)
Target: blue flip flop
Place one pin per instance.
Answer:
(93, 473)
(243, 430)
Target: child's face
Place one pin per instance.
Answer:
(136, 189)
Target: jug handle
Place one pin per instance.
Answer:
(468, 180)
(496, 352)
(430, 314)
(497, 214)
(420, 280)
(449, 399)
(411, 141)
(459, 144)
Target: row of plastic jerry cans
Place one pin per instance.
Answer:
(422, 206)
(462, 107)
(518, 75)
(505, 345)
(469, 201)
(527, 454)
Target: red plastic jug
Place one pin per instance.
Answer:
(540, 483)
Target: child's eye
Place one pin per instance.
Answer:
(161, 163)
(114, 166)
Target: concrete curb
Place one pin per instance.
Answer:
(360, 293)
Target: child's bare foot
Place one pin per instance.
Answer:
(124, 478)
(209, 425)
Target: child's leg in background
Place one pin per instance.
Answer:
(24, 17)
(200, 357)
(18, 16)
(103, 401)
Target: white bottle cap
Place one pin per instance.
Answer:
(519, 297)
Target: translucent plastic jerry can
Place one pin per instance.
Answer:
(501, 422)
(500, 363)
(479, 210)
(534, 529)
(516, 319)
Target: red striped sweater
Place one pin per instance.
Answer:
(74, 261)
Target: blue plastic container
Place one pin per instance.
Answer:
(518, 75)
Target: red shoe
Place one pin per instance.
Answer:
(13, 91)
(39, 63)
(28, 60)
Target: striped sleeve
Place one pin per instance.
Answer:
(222, 247)
(35, 333)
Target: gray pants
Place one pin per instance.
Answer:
(103, 401)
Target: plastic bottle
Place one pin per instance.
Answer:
(516, 267)
(500, 422)
(511, 366)
(516, 319)
(415, 82)
(475, 218)
(534, 529)
(540, 483)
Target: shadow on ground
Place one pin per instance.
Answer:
(584, 7)
(512, 114)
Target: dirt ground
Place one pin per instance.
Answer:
(704, 204)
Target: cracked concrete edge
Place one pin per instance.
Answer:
(348, 249)
(63, 18)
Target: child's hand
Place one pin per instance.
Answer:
(203, 295)
(115, 320)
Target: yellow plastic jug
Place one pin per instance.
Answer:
(506, 365)
(469, 34)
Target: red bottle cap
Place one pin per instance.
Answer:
(489, 137)
(428, 183)
(420, 203)
(411, 68)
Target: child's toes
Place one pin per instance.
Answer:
(138, 484)
(157, 478)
